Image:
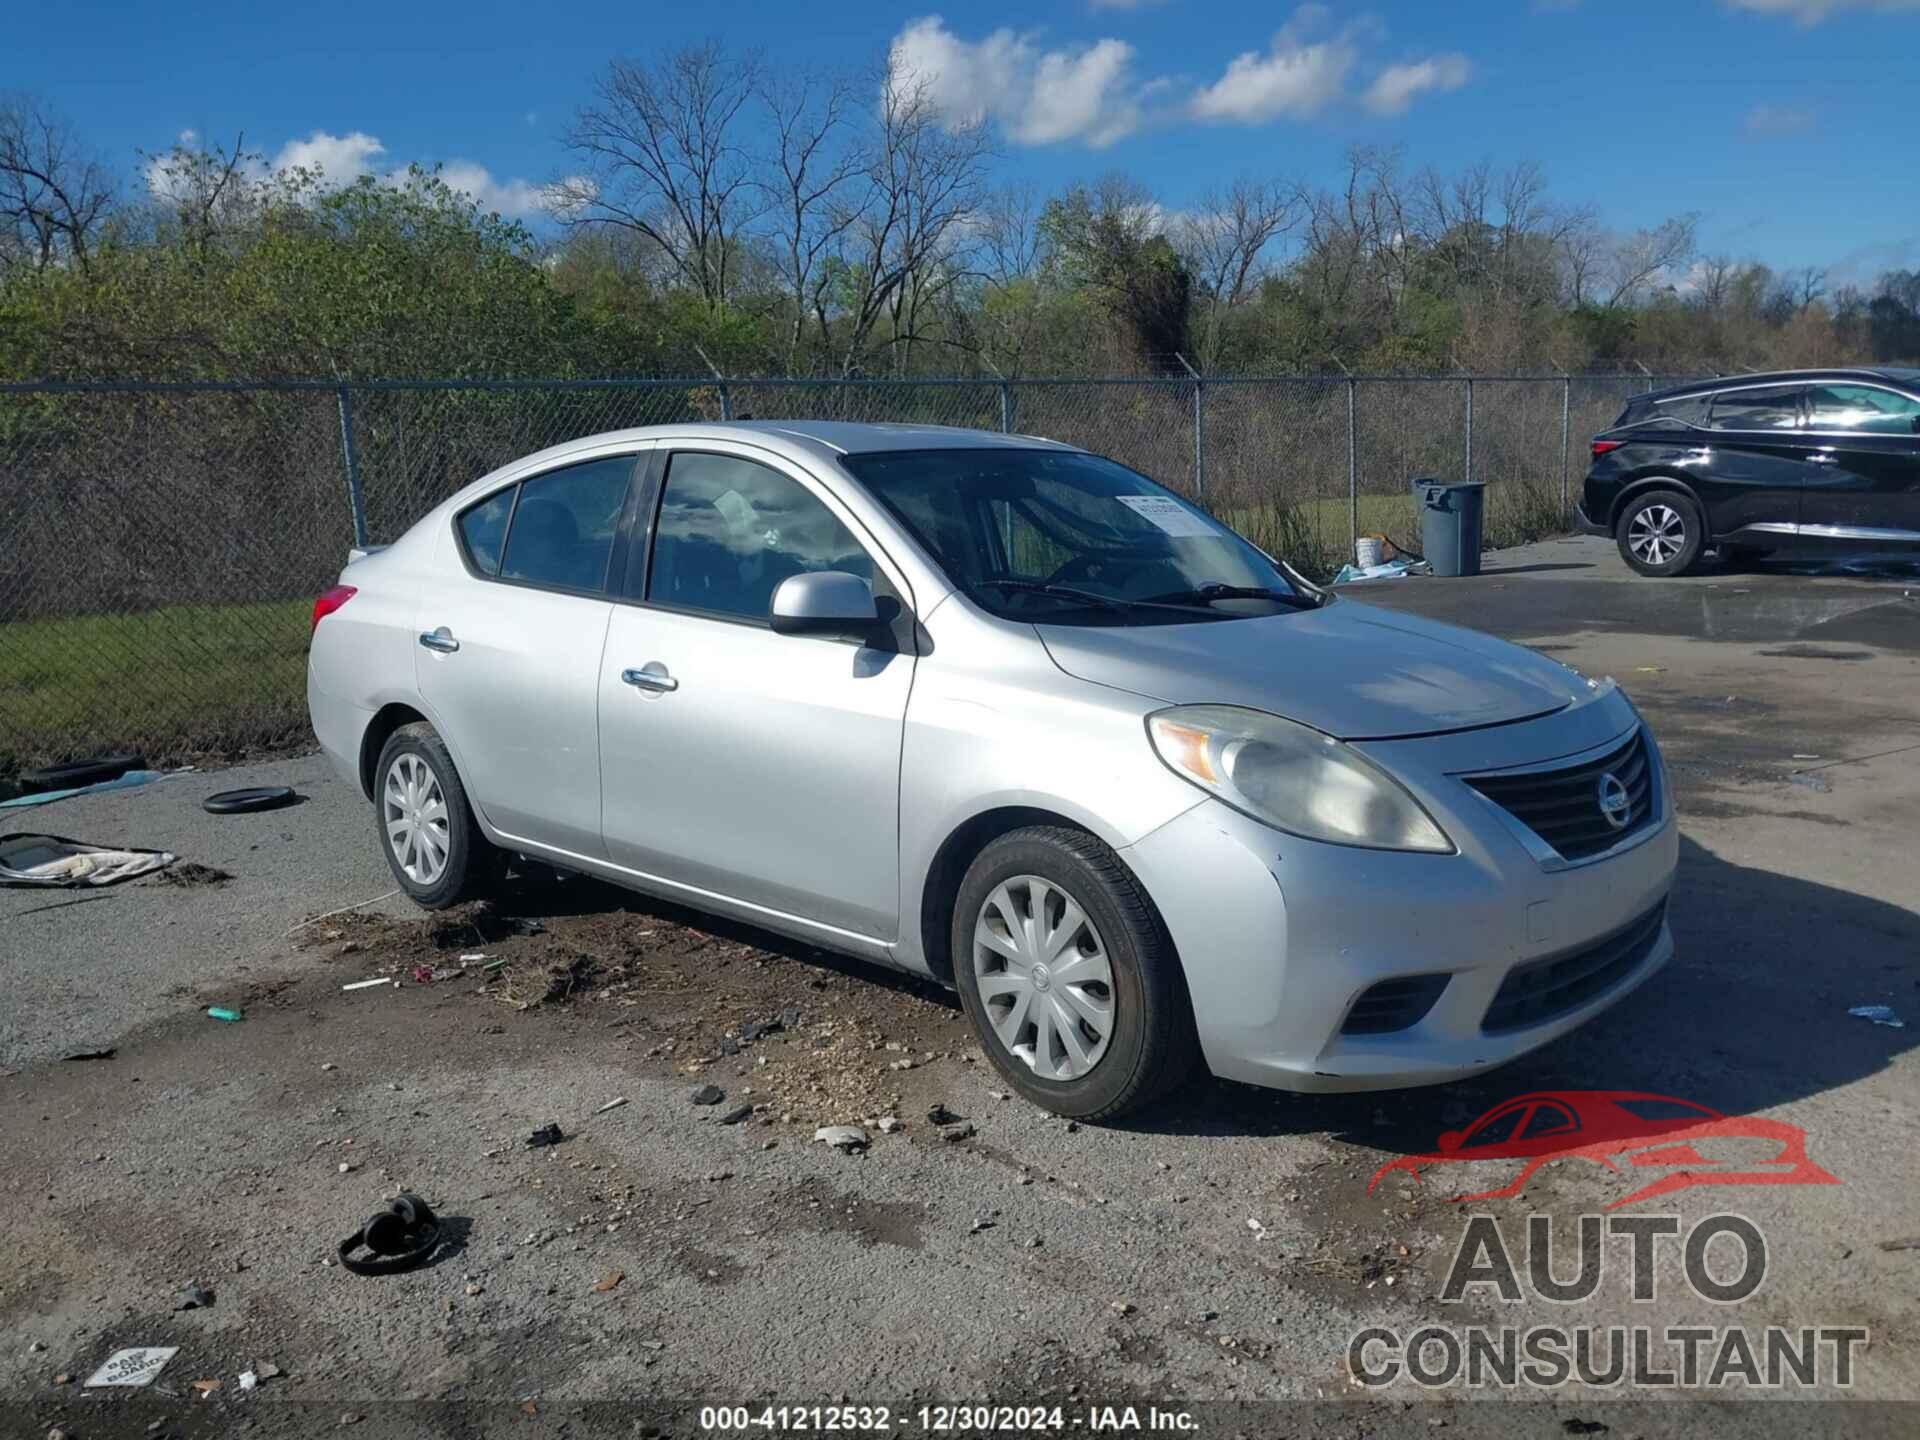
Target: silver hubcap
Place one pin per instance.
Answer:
(1656, 534)
(1043, 977)
(415, 813)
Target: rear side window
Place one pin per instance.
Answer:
(1770, 407)
(563, 527)
(484, 527)
(1682, 410)
(1864, 409)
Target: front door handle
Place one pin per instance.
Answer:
(652, 676)
(440, 640)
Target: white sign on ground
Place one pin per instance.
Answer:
(137, 1366)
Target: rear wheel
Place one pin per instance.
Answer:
(1068, 975)
(1660, 533)
(432, 842)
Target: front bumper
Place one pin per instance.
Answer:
(1280, 936)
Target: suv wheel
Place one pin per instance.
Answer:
(1660, 533)
(1068, 975)
(428, 833)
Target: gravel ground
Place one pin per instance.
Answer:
(1217, 1252)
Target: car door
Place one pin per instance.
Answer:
(510, 645)
(736, 762)
(1866, 453)
(1752, 466)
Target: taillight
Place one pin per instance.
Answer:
(1601, 447)
(330, 601)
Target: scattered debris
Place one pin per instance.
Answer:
(983, 1223)
(328, 1065)
(1576, 1426)
(250, 800)
(329, 914)
(613, 1104)
(422, 974)
(846, 1138)
(1909, 1242)
(347, 1167)
(227, 1013)
(708, 1095)
(53, 861)
(887, 1124)
(1879, 1015)
(106, 1054)
(548, 1134)
(63, 1378)
(1806, 757)
(206, 1387)
(189, 875)
(939, 1114)
(369, 984)
(955, 1133)
(736, 1115)
(608, 1281)
(193, 1297)
(398, 1238)
(1121, 1307)
(474, 1287)
(1811, 780)
(249, 1380)
(1260, 1232)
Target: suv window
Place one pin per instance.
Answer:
(1683, 409)
(1768, 407)
(731, 530)
(483, 528)
(1866, 409)
(563, 527)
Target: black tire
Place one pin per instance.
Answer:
(1150, 1044)
(78, 772)
(472, 866)
(249, 801)
(1660, 533)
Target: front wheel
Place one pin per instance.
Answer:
(1660, 533)
(1068, 975)
(428, 833)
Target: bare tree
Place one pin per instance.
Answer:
(666, 159)
(924, 182)
(211, 192)
(1631, 262)
(1225, 240)
(54, 197)
(814, 158)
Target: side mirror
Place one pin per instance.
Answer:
(1450, 1142)
(824, 602)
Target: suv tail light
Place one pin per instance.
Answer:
(330, 601)
(1601, 447)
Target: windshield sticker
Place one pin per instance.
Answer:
(1167, 514)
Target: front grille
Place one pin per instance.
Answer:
(1562, 807)
(1394, 1004)
(1543, 990)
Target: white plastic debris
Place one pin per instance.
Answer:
(1879, 1015)
(842, 1137)
(613, 1104)
(248, 1379)
(138, 1366)
(368, 984)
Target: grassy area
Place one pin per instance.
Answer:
(187, 679)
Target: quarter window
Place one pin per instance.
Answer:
(563, 527)
(730, 530)
(1496, 1131)
(483, 528)
(1770, 407)
(1865, 409)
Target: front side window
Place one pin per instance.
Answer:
(1864, 409)
(563, 528)
(1070, 538)
(730, 530)
(1769, 407)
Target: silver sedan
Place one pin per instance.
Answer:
(999, 711)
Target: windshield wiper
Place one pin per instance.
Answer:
(1079, 597)
(1207, 594)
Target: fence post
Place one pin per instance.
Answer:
(355, 500)
(1199, 430)
(1566, 437)
(1353, 475)
(1469, 474)
(1006, 408)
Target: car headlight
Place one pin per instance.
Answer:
(1292, 778)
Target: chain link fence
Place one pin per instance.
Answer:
(160, 544)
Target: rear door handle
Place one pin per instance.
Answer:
(441, 640)
(652, 676)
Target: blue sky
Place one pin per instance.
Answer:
(1788, 125)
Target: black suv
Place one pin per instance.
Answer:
(1753, 463)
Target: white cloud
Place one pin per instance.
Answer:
(1295, 76)
(1779, 120)
(1038, 97)
(1398, 86)
(339, 159)
(1812, 12)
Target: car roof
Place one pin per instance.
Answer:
(1898, 374)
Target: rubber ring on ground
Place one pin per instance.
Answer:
(246, 802)
(79, 772)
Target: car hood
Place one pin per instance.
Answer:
(1347, 669)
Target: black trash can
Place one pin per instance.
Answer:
(1450, 515)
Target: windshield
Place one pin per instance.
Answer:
(1074, 539)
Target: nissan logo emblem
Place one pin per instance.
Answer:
(1615, 803)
